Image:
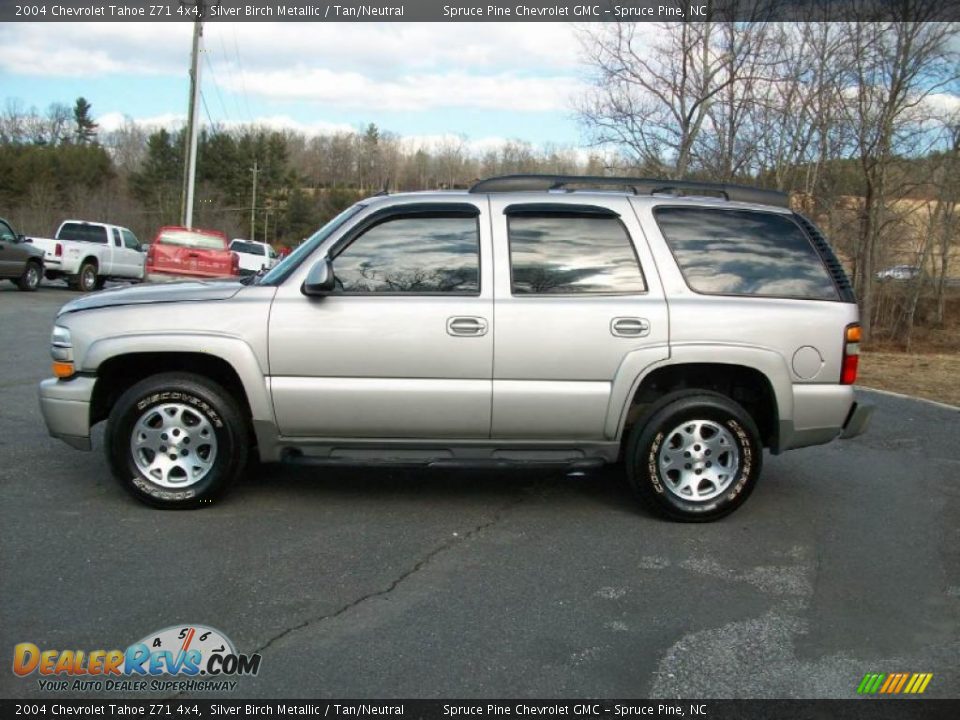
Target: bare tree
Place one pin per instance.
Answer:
(894, 67)
(659, 88)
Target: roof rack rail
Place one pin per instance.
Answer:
(638, 186)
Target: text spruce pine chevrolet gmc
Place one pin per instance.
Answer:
(677, 328)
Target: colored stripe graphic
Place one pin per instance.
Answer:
(894, 683)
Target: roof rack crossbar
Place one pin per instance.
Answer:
(638, 186)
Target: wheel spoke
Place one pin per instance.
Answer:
(173, 445)
(699, 459)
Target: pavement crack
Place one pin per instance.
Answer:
(400, 579)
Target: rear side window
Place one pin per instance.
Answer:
(79, 232)
(742, 252)
(557, 254)
(415, 255)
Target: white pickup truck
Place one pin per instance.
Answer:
(87, 254)
(254, 256)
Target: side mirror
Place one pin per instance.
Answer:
(20, 238)
(320, 280)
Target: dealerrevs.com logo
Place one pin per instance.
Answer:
(178, 658)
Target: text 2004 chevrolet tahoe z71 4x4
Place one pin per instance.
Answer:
(518, 322)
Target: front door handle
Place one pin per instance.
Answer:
(630, 327)
(466, 326)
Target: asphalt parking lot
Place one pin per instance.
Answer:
(356, 584)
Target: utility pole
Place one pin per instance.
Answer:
(193, 116)
(253, 203)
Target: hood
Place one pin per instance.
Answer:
(190, 291)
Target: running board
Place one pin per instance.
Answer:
(295, 457)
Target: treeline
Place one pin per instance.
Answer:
(134, 177)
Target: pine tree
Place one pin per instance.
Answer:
(85, 132)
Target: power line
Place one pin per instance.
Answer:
(203, 100)
(231, 75)
(243, 80)
(216, 87)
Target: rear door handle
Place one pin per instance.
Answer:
(630, 327)
(466, 326)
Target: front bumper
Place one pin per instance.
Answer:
(65, 406)
(857, 421)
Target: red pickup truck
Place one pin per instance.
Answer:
(184, 253)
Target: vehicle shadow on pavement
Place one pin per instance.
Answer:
(603, 486)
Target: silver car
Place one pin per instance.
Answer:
(678, 329)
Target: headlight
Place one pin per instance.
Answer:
(61, 346)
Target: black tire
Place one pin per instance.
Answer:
(650, 442)
(202, 399)
(101, 281)
(86, 280)
(30, 280)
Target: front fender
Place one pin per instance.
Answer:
(232, 350)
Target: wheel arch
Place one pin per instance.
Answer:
(758, 380)
(229, 362)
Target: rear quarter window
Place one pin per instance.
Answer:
(78, 232)
(744, 252)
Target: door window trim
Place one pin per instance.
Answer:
(439, 210)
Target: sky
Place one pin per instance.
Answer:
(486, 81)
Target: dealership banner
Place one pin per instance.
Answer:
(470, 10)
(526, 709)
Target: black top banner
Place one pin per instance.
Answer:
(472, 11)
(871, 709)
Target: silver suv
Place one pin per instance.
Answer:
(676, 328)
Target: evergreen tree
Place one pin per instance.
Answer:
(85, 131)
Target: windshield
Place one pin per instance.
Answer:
(291, 262)
(192, 239)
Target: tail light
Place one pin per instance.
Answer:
(151, 254)
(234, 264)
(58, 251)
(851, 354)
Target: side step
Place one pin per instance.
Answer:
(295, 457)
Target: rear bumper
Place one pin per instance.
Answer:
(65, 406)
(857, 421)
(822, 413)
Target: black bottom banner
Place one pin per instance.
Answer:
(872, 709)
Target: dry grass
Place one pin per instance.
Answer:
(933, 376)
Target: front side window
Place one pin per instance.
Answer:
(130, 240)
(743, 252)
(417, 255)
(563, 255)
(6, 233)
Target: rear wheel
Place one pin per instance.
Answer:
(176, 440)
(86, 278)
(30, 280)
(696, 458)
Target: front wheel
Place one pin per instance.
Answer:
(176, 440)
(30, 280)
(696, 458)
